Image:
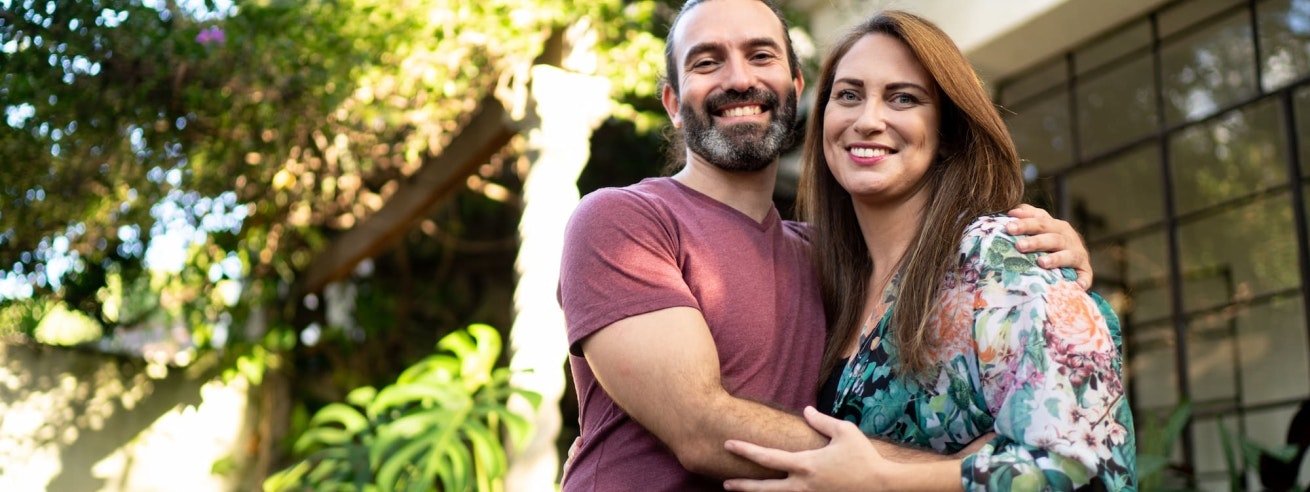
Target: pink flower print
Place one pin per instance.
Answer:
(211, 35)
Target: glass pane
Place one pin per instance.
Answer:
(1236, 155)
(1261, 348)
(1133, 274)
(1120, 195)
(1209, 69)
(1041, 132)
(1040, 193)
(1034, 81)
(1284, 41)
(1116, 106)
(1238, 254)
(1152, 373)
(1275, 366)
(1208, 449)
(1117, 44)
(1211, 356)
(1185, 14)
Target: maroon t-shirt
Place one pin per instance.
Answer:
(659, 244)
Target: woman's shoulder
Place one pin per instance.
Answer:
(987, 247)
(986, 237)
(989, 227)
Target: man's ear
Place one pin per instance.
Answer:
(671, 105)
(800, 84)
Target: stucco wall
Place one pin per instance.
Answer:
(1000, 37)
(81, 421)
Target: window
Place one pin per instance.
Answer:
(1179, 145)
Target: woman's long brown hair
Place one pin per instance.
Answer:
(976, 173)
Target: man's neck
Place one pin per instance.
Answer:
(750, 193)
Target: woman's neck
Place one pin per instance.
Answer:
(889, 229)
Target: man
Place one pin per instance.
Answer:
(693, 311)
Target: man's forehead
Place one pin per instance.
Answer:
(728, 23)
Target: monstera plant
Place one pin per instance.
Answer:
(439, 426)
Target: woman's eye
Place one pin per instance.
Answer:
(904, 99)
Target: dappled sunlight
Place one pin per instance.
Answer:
(79, 421)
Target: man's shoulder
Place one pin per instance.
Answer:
(800, 229)
(649, 203)
(646, 190)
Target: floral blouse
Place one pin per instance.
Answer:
(1026, 353)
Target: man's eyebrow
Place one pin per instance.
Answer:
(763, 42)
(701, 48)
(752, 43)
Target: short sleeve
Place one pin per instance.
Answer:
(620, 260)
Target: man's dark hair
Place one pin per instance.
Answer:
(670, 65)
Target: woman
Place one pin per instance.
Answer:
(943, 333)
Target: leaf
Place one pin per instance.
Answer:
(325, 436)
(1234, 474)
(1177, 420)
(349, 418)
(486, 448)
(400, 395)
(393, 468)
(1149, 464)
(361, 396)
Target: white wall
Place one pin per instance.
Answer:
(1000, 37)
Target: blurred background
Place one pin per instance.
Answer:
(299, 245)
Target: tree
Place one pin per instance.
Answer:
(183, 163)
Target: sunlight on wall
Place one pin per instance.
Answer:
(81, 421)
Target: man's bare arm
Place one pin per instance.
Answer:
(663, 369)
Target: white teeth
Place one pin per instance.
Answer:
(742, 111)
(867, 152)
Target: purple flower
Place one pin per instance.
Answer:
(211, 36)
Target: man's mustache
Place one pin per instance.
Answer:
(767, 99)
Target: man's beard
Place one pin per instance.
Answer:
(741, 146)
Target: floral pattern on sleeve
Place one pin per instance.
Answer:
(1025, 353)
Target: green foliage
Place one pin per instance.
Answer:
(439, 423)
(1155, 443)
(125, 124)
(1156, 440)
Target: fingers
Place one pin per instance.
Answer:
(1026, 211)
(826, 425)
(1049, 243)
(776, 459)
(756, 485)
(1039, 225)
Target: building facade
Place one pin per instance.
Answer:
(1176, 137)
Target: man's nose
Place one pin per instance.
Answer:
(740, 75)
